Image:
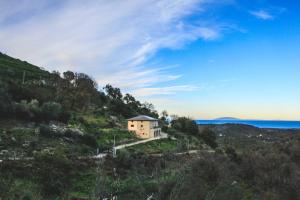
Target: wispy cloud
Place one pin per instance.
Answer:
(111, 40)
(262, 14)
(152, 91)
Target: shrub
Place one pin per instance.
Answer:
(185, 125)
(209, 137)
(164, 129)
(46, 131)
(53, 173)
(64, 116)
(51, 110)
(5, 103)
(89, 140)
(231, 153)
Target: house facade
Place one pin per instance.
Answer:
(144, 126)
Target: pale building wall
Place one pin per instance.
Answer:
(144, 129)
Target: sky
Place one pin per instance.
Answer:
(198, 58)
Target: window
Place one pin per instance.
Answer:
(132, 125)
(141, 125)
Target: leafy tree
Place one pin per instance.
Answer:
(69, 76)
(51, 110)
(209, 137)
(53, 173)
(185, 125)
(5, 102)
(231, 153)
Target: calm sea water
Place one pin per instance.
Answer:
(257, 123)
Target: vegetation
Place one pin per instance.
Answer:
(51, 126)
(156, 147)
(257, 174)
(185, 125)
(209, 137)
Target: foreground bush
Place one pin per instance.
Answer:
(53, 173)
(259, 174)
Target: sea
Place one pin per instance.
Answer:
(258, 123)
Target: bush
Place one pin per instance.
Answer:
(231, 153)
(46, 131)
(51, 111)
(5, 103)
(209, 137)
(89, 140)
(164, 129)
(64, 116)
(27, 110)
(185, 125)
(53, 173)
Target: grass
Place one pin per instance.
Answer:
(156, 146)
(94, 121)
(83, 183)
(108, 135)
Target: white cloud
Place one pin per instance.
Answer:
(261, 14)
(151, 91)
(111, 40)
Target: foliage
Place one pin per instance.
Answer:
(39, 95)
(159, 146)
(185, 125)
(209, 137)
(53, 173)
(107, 137)
(255, 174)
(89, 140)
(127, 105)
(51, 110)
(5, 102)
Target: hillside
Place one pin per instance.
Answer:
(15, 68)
(43, 111)
(52, 125)
(242, 130)
(245, 137)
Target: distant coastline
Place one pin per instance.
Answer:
(278, 124)
(227, 118)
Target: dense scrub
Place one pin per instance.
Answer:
(32, 93)
(258, 174)
(51, 123)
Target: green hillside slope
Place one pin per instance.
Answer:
(15, 68)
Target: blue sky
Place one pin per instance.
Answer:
(198, 58)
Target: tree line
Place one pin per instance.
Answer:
(59, 95)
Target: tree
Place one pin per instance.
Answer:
(209, 137)
(53, 172)
(113, 93)
(185, 125)
(51, 110)
(69, 76)
(164, 116)
(5, 102)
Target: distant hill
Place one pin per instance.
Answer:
(226, 118)
(248, 131)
